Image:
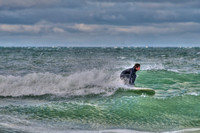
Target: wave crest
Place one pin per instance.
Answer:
(79, 83)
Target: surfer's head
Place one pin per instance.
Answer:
(137, 67)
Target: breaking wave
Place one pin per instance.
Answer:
(80, 83)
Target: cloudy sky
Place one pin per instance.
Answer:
(100, 23)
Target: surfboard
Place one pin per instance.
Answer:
(136, 90)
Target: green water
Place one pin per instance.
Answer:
(142, 113)
(79, 89)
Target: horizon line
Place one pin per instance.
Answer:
(99, 46)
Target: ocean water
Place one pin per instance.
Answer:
(76, 90)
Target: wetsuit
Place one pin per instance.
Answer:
(129, 76)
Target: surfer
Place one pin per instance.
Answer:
(129, 75)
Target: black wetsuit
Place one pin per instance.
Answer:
(129, 76)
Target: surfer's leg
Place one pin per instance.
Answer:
(123, 79)
(126, 81)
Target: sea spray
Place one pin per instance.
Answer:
(83, 83)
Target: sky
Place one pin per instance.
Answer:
(157, 23)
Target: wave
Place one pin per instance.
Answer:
(79, 83)
(153, 67)
(144, 66)
(91, 82)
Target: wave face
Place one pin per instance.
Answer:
(74, 89)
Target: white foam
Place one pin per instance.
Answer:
(193, 94)
(145, 65)
(153, 66)
(185, 130)
(122, 57)
(173, 70)
(80, 83)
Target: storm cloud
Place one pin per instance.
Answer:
(98, 22)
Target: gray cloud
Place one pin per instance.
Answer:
(24, 4)
(114, 18)
(99, 12)
(44, 27)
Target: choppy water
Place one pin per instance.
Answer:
(74, 90)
